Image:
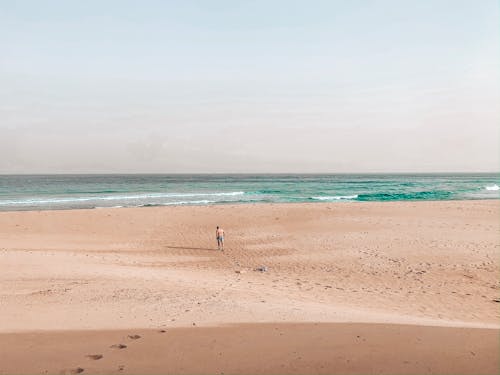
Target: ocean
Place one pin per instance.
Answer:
(53, 192)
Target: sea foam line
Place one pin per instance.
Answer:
(204, 201)
(335, 197)
(492, 188)
(32, 201)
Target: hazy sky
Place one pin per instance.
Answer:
(249, 86)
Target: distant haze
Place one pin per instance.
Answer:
(249, 86)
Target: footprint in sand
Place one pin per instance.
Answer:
(118, 346)
(162, 331)
(134, 337)
(77, 370)
(95, 357)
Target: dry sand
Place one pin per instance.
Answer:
(417, 282)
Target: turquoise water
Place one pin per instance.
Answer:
(45, 192)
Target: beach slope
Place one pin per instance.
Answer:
(399, 287)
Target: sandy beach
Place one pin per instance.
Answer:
(399, 287)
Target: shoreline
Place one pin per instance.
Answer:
(234, 205)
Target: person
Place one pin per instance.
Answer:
(219, 235)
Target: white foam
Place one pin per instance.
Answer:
(35, 201)
(492, 188)
(204, 201)
(335, 197)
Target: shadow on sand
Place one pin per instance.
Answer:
(190, 248)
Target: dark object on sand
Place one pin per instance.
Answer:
(118, 346)
(95, 357)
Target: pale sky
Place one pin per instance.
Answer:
(249, 86)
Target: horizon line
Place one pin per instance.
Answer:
(242, 173)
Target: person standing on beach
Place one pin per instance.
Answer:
(219, 235)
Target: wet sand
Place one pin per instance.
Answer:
(397, 271)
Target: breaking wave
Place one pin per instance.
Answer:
(492, 187)
(69, 200)
(335, 197)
